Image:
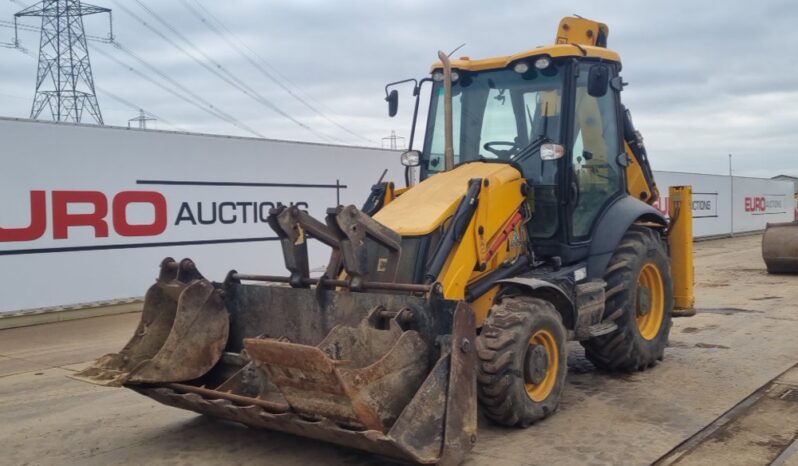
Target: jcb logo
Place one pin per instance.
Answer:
(62, 219)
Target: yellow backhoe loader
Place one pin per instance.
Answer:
(531, 225)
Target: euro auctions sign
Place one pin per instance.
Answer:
(79, 215)
(87, 213)
(763, 204)
(705, 205)
(63, 218)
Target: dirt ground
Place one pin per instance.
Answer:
(742, 339)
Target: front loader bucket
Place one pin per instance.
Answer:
(183, 329)
(780, 247)
(353, 357)
(357, 376)
(386, 373)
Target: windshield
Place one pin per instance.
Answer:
(496, 114)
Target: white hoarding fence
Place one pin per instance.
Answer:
(724, 205)
(88, 213)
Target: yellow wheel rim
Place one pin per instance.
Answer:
(650, 301)
(541, 391)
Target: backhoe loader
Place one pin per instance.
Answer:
(531, 225)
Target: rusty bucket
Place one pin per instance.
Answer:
(780, 247)
(183, 329)
(386, 373)
(354, 357)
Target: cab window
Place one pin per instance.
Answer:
(594, 154)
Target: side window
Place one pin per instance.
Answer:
(594, 153)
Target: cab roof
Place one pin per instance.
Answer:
(576, 37)
(553, 51)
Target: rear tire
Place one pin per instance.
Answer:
(522, 361)
(639, 299)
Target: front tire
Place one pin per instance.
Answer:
(639, 299)
(522, 361)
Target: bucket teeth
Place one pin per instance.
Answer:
(183, 330)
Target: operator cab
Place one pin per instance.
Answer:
(556, 116)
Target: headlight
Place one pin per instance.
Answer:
(521, 67)
(542, 63)
(437, 76)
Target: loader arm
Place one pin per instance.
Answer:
(640, 177)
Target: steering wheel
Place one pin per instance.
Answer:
(504, 154)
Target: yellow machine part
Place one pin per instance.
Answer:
(554, 51)
(583, 31)
(481, 305)
(637, 186)
(431, 203)
(680, 242)
(576, 37)
(421, 210)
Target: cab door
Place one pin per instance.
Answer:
(596, 177)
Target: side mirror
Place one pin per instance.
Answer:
(393, 102)
(597, 80)
(411, 158)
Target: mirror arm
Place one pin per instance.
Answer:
(417, 95)
(413, 80)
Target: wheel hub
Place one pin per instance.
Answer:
(537, 364)
(643, 300)
(650, 301)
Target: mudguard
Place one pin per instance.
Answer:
(611, 227)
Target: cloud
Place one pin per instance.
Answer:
(706, 80)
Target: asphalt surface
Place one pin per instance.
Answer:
(741, 343)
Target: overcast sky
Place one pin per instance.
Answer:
(706, 78)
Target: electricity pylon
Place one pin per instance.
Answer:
(64, 82)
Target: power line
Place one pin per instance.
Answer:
(228, 76)
(134, 106)
(199, 102)
(254, 63)
(217, 69)
(119, 99)
(25, 27)
(240, 84)
(265, 62)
